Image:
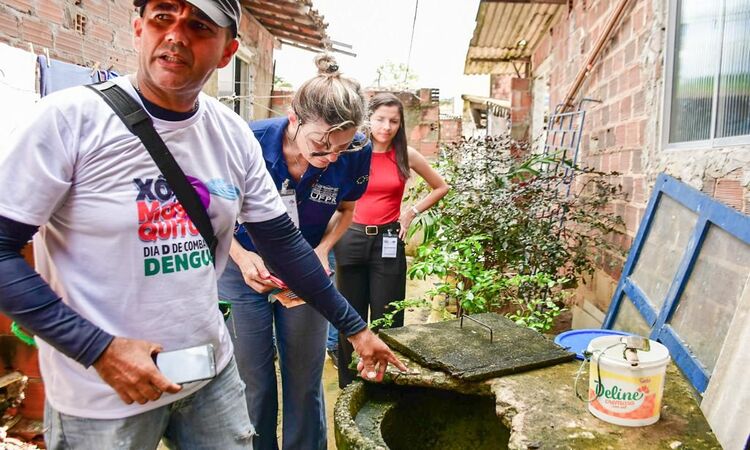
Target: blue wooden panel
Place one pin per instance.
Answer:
(710, 213)
(688, 364)
(683, 271)
(640, 301)
(635, 252)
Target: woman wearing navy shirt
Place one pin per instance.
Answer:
(320, 165)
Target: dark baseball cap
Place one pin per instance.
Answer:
(223, 13)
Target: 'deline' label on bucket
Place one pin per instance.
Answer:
(623, 394)
(633, 399)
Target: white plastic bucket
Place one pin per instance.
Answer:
(623, 394)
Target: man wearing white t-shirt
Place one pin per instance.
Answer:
(129, 274)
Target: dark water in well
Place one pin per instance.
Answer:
(432, 419)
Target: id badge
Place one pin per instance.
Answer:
(390, 246)
(289, 198)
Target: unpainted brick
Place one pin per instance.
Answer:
(638, 102)
(39, 33)
(638, 190)
(637, 17)
(94, 10)
(101, 31)
(631, 135)
(729, 192)
(620, 135)
(629, 52)
(625, 108)
(9, 25)
(625, 29)
(709, 184)
(634, 76)
(635, 162)
(95, 51)
(631, 218)
(618, 61)
(24, 6)
(612, 87)
(123, 39)
(625, 157)
(52, 12)
(69, 42)
(604, 289)
(121, 14)
(642, 131)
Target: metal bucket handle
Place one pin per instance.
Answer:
(587, 355)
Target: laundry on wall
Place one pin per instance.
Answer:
(26, 76)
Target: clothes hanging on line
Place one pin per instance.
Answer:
(17, 89)
(58, 75)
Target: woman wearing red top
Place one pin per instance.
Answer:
(370, 257)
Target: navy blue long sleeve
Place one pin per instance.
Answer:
(289, 256)
(26, 298)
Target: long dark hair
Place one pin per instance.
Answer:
(399, 141)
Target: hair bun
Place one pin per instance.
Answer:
(326, 64)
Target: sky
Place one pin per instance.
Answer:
(380, 30)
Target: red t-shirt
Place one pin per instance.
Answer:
(381, 202)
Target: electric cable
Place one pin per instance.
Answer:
(411, 41)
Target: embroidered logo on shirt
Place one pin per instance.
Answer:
(324, 194)
(224, 189)
(363, 179)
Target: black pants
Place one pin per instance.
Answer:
(368, 281)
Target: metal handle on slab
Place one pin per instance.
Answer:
(489, 328)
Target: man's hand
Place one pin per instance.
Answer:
(128, 367)
(374, 355)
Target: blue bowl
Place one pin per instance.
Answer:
(578, 340)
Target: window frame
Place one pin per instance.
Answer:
(246, 56)
(710, 213)
(669, 55)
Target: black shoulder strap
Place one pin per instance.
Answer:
(139, 123)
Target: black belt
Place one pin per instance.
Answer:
(374, 230)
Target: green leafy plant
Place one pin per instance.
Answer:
(537, 312)
(460, 267)
(512, 232)
(394, 308)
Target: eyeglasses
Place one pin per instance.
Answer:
(320, 145)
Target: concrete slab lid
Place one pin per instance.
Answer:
(467, 353)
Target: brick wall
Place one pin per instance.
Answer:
(623, 132)
(520, 108)
(261, 41)
(518, 92)
(51, 24)
(281, 102)
(450, 130)
(500, 86)
(422, 120)
(107, 37)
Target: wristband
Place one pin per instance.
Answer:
(415, 211)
